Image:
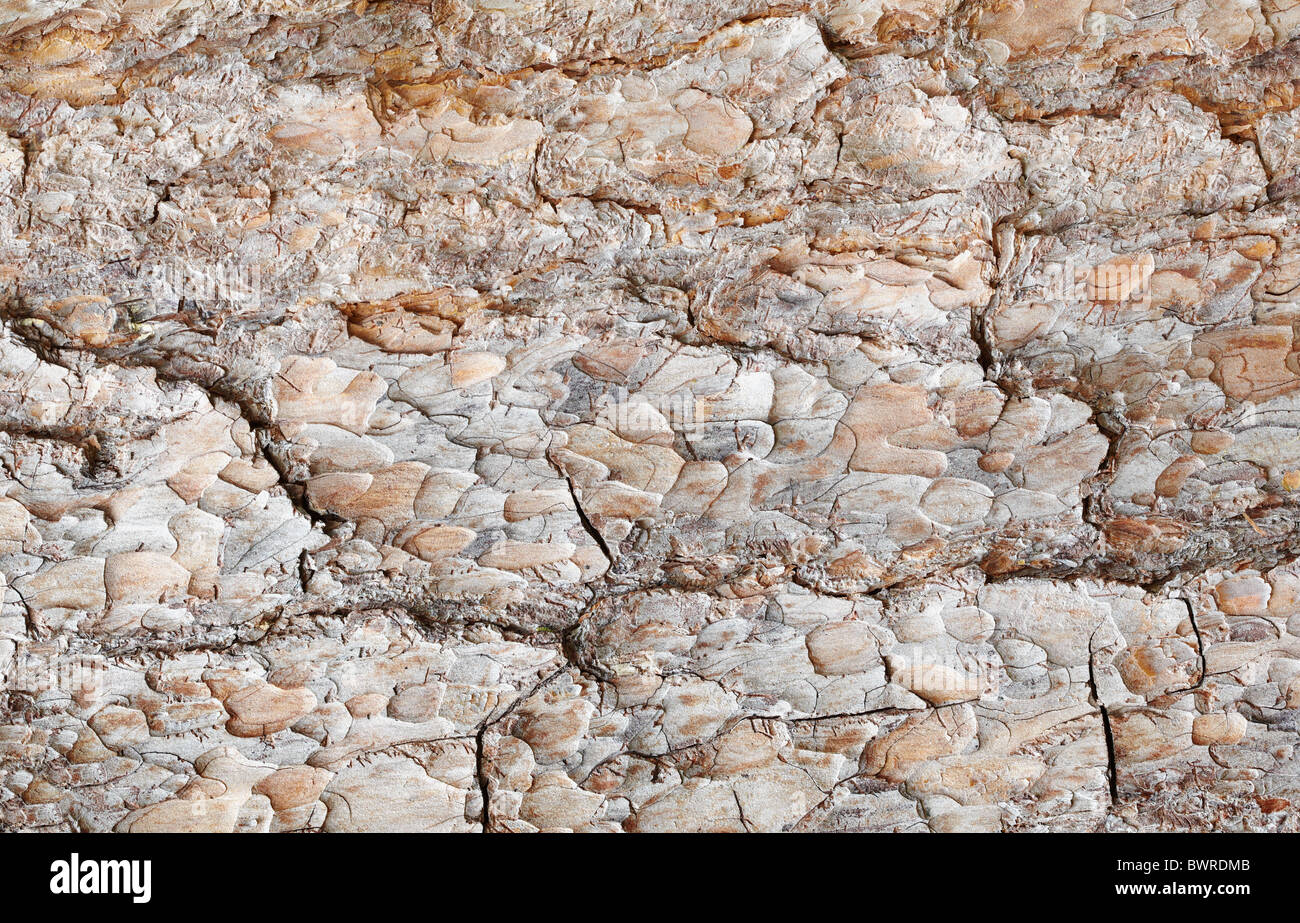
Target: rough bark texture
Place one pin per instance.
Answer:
(724, 415)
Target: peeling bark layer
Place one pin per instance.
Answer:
(862, 416)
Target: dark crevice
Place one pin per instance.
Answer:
(1112, 771)
(1200, 644)
(588, 526)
